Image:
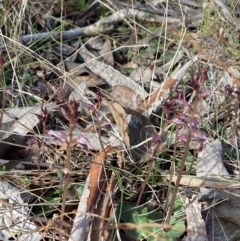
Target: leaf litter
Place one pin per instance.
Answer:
(136, 105)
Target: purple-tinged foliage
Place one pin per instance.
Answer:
(70, 112)
(155, 140)
(228, 89)
(90, 107)
(176, 105)
(236, 91)
(61, 138)
(178, 121)
(99, 97)
(206, 93)
(199, 78)
(181, 102)
(82, 142)
(9, 91)
(2, 61)
(194, 123)
(182, 138)
(183, 117)
(169, 106)
(32, 141)
(199, 135)
(43, 116)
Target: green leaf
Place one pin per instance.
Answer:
(145, 217)
(176, 231)
(80, 190)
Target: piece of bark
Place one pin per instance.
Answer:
(125, 96)
(210, 162)
(108, 73)
(103, 209)
(89, 196)
(153, 102)
(217, 182)
(196, 230)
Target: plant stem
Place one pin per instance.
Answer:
(182, 166)
(66, 181)
(169, 214)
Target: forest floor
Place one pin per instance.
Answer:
(119, 120)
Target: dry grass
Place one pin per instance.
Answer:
(182, 58)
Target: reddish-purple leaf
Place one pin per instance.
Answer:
(31, 141)
(177, 121)
(82, 142)
(181, 102)
(206, 93)
(228, 88)
(195, 82)
(155, 139)
(53, 88)
(40, 117)
(182, 116)
(236, 90)
(99, 97)
(194, 123)
(2, 61)
(60, 137)
(182, 138)
(70, 112)
(9, 91)
(199, 135)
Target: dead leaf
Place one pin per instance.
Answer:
(196, 229)
(210, 162)
(94, 43)
(130, 65)
(142, 74)
(140, 130)
(103, 209)
(89, 196)
(125, 96)
(165, 67)
(108, 73)
(21, 120)
(119, 116)
(153, 102)
(134, 129)
(75, 68)
(227, 205)
(78, 74)
(65, 49)
(215, 182)
(90, 80)
(106, 52)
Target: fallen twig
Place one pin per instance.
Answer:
(217, 182)
(102, 26)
